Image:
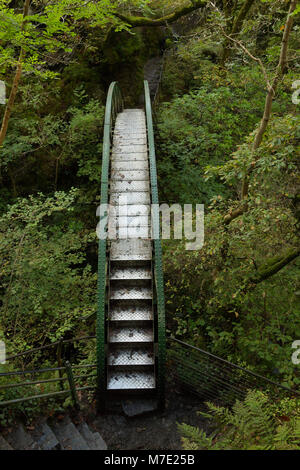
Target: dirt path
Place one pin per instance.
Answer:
(156, 431)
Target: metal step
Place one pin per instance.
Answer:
(127, 138)
(143, 233)
(129, 148)
(136, 175)
(131, 357)
(129, 165)
(121, 156)
(125, 312)
(117, 186)
(131, 198)
(130, 335)
(132, 222)
(131, 250)
(131, 273)
(119, 292)
(127, 210)
(129, 380)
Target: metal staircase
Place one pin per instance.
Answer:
(130, 322)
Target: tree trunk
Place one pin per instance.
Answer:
(267, 112)
(16, 81)
(236, 28)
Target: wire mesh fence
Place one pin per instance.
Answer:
(213, 378)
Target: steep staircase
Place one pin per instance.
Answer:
(131, 360)
(52, 435)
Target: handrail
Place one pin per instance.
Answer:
(158, 271)
(114, 104)
(49, 346)
(73, 389)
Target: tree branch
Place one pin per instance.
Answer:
(273, 266)
(135, 21)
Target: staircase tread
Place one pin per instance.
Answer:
(133, 210)
(135, 175)
(134, 221)
(132, 198)
(45, 437)
(131, 356)
(99, 441)
(132, 334)
(133, 313)
(130, 292)
(130, 186)
(131, 250)
(4, 445)
(20, 439)
(68, 436)
(136, 156)
(131, 380)
(93, 439)
(142, 272)
(118, 165)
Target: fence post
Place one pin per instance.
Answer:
(59, 363)
(72, 384)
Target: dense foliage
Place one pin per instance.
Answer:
(229, 297)
(255, 424)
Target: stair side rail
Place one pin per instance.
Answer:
(158, 269)
(114, 105)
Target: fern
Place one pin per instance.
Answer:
(254, 424)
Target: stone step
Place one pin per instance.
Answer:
(45, 437)
(100, 443)
(68, 435)
(93, 439)
(20, 439)
(4, 445)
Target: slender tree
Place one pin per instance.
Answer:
(16, 81)
(272, 87)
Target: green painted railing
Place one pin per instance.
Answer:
(158, 271)
(114, 104)
(65, 370)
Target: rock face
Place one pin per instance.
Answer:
(152, 73)
(58, 435)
